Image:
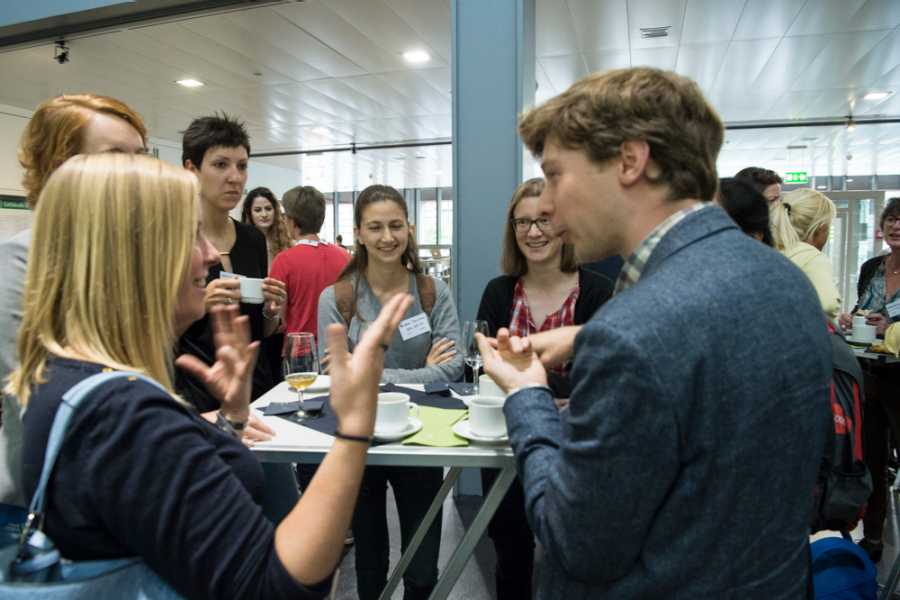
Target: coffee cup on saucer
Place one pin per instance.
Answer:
(486, 418)
(393, 412)
(863, 332)
(251, 290)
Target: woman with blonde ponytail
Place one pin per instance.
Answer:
(801, 222)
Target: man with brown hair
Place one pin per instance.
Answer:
(311, 265)
(679, 469)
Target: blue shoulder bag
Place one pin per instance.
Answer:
(33, 569)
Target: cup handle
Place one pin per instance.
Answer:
(414, 409)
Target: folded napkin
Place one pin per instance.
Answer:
(436, 428)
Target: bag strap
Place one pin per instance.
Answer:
(344, 299)
(427, 293)
(67, 406)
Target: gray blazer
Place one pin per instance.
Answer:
(685, 465)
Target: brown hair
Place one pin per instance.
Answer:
(55, 133)
(667, 111)
(891, 209)
(759, 177)
(512, 261)
(305, 205)
(360, 260)
(277, 235)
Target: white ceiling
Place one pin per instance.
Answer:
(323, 73)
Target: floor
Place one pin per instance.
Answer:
(476, 581)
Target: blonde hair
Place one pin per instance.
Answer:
(797, 216)
(56, 132)
(667, 111)
(512, 261)
(112, 240)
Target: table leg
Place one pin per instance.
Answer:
(416, 541)
(466, 547)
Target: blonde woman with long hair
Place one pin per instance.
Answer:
(143, 473)
(801, 222)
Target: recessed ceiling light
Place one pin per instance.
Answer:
(876, 95)
(189, 83)
(320, 130)
(416, 56)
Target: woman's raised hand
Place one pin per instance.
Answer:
(355, 377)
(230, 378)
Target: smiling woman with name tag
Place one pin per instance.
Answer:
(424, 350)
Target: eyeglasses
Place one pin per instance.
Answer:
(544, 225)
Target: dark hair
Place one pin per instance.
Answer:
(277, 235)
(891, 209)
(212, 132)
(512, 261)
(747, 207)
(663, 109)
(759, 178)
(360, 260)
(305, 205)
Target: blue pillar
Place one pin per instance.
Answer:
(493, 81)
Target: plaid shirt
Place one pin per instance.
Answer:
(521, 322)
(634, 266)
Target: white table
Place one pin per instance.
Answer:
(294, 443)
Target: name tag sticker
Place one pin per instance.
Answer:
(893, 309)
(414, 326)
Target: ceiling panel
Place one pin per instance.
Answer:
(832, 16)
(742, 64)
(661, 58)
(430, 20)
(655, 13)
(701, 62)
(556, 32)
(563, 71)
(767, 18)
(833, 64)
(609, 59)
(599, 24)
(708, 21)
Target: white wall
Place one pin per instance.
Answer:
(12, 123)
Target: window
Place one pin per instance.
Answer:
(426, 216)
(446, 216)
(327, 232)
(345, 216)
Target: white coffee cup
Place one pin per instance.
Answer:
(863, 333)
(858, 320)
(251, 290)
(392, 412)
(486, 417)
(488, 387)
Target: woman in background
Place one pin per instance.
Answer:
(384, 265)
(801, 222)
(541, 289)
(143, 474)
(746, 207)
(878, 291)
(262, 210)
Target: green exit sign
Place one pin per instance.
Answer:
(796, 177)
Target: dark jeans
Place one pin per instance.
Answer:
(880, 421)
(513, 541)
(414, 489)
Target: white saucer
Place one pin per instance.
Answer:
(412, 427)
(321, 384)
(462, 430)
(856, 342)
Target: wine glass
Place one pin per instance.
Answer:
(470, 346)
(301, 365)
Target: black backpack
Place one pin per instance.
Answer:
(844, 483)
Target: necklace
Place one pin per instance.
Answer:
(893, 271)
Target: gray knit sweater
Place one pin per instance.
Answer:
(404, 361)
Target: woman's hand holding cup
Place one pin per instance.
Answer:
(355, 377)
(222, 291)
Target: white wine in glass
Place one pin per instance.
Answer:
(470, 345)
(301, 365)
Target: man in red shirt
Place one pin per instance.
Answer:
(311, 265)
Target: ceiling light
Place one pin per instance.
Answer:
(851, 126)
(416, 57)
(320, 130)
(876, 95)
(189, 83)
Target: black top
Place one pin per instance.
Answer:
(250, 258)
(497, 303)
(866, 273)
(141, 475)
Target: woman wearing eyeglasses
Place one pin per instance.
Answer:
(541, 289)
